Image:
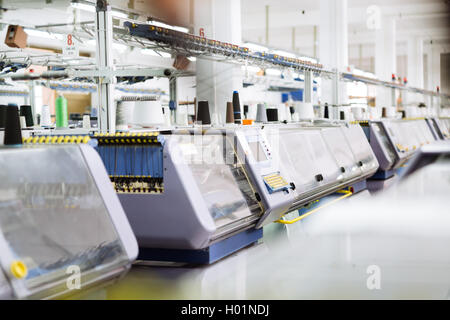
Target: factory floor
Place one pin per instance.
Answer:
(298, 262)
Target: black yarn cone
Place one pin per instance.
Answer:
(342, 115)
(13, 133)
(26, 112)
(2, 115)
(292, 110)
(325, 112)
(203, 113)
(272, 114)
(236, 107)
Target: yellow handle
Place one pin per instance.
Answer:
(346, 193)
(19, 269)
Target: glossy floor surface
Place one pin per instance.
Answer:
(387, 245)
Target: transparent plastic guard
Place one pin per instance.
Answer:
(340, 149)
(360, 147)
(52, 215)
(305, 155)
(220, 178)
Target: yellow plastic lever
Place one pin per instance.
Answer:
(346, 193)
(19, 269)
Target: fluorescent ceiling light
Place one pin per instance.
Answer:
(88, 6)
(150, 52)
(43, 34)
(255, 47)
(168, 26)
(83, 6)
(192, 59)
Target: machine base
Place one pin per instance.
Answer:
(358, 187)
(378, 185)
(207, 255)
(382, 175)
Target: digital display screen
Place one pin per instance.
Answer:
(258, 151)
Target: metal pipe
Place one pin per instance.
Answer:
(267, 24)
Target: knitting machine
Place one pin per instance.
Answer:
(62, 228)
(440, 127)
(323, 158)
(394, 142)
(199, 195)
(186, 195)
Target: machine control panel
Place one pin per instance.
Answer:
(265, 172)
(274, 182)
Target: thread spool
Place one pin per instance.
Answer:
(412, 112)
(326, 113)
(61, 112)
(374, 113)
(27, 112)
(272, 114)
(291, 110)
(2, 115)
(282, 110)
(236, 108)
(342, 115)
(251, 111)
(203, 116)
(13, 133)
(261, 114)
(86, 121)
(383, 112)
(403, 114)
(245, 111)
(357, 113)
(46, 119)
(182, 116)
(23, 122)
(230, 113)
(94, 113)
(148, 112)
(305, 110)
(167, 120)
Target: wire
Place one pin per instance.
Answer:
(346, 193)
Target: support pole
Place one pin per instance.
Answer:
(267, 24)
(104, 32)
(335, 101)
(308, 86)
(173, 104)
(32, 100)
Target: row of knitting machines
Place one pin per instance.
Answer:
(91, 205)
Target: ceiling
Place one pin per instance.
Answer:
(429, 19)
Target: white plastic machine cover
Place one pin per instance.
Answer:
(59, 214)
(321, 159)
